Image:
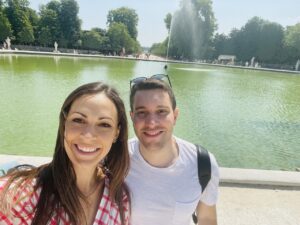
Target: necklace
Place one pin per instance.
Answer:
(93, 190)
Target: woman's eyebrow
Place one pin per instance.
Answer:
(80, 114)
(105, 117)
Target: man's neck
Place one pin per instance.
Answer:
(160, 157)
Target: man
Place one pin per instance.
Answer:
(163, 177)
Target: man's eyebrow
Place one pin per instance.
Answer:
(163, 106)
(139, 107)
(159, 107)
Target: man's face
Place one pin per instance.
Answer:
(153, 118)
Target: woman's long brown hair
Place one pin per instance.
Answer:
(58, 179)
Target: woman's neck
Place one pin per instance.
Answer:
(86, 180)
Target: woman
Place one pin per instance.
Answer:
(84, 183)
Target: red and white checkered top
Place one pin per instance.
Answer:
(21, 214)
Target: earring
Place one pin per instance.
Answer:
(101, 171)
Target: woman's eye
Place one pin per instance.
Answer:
(77, 120)
(106, 125)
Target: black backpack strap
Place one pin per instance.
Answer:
(204, 171)
(204, 166)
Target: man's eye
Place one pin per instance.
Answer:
(162, 112)
(140, 114)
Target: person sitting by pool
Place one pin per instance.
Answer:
(84, 183)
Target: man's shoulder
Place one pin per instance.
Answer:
(133, 144)
(133, 140)
(189, 148)
(185, 145)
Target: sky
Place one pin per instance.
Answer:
(151, 27)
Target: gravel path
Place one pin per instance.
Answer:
(258, 206)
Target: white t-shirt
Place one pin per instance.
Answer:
(168, 196)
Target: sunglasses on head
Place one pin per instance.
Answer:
(160, 77)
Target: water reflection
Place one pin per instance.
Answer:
(249, 119)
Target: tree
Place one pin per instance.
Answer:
(100, 31)
(26, 33)
(5, 27)
(69, 23)
(159, 48)
(92, 40)
(219, 42)
(48, 26)
(120, 38)
(126, 16)
(34, 21)
(18, 15)
(292, 36)
(45, 36)
(291, 41)
(270, 42)
(258, 38)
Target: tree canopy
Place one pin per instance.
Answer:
(18, 14)
(5, 27)
(191, 32)
(126, 16)
(292, 36)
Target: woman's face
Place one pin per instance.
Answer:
(91, 127)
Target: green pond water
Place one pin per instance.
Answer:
(247, 118)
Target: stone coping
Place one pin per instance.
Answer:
(142, 59)
(260, 177)
(227, 175)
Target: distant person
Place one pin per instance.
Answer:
(163, 175)
(84, 183)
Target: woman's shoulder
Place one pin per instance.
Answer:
(3, 182)
(22, 183)
(21, 193)
(19, 198)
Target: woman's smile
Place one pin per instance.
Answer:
(85, 149)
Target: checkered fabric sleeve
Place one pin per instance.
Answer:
(26, 198)
(22, 213)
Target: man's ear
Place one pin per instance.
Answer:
(117, 134)
(176, 114)
(131, 115)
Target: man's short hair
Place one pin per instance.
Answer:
(152, 84)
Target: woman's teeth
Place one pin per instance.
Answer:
(86, 149)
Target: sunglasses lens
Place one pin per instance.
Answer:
(137, 80)
(161, 77)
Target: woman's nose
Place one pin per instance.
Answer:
(89, 131)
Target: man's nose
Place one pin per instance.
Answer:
(151, 119)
